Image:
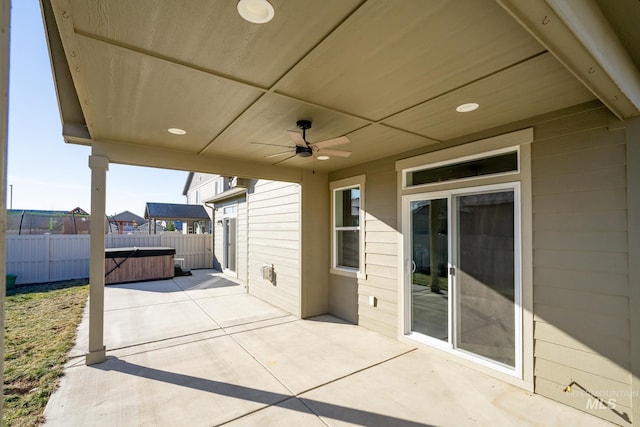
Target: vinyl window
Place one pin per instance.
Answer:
(347, 200)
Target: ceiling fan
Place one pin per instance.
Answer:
(303, 148)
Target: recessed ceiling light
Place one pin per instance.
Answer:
(323, 157)
(256, 11)
(177, 131)
(465, 108)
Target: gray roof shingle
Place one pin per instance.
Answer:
(175, 211)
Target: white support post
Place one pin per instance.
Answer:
(97, 352)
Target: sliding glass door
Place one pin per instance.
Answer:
(462, 284)
(429, 279)
(485, 275)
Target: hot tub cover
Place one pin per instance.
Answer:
(134, 252)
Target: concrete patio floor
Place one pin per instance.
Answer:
(200, 351)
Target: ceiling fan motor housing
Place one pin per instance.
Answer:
(303, 151)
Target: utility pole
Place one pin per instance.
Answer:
(10, 196)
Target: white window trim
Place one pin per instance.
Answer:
(450, 345)
(483, 155)
(355, 181)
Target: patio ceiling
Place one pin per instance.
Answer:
(388, 74)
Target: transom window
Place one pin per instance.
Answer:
(489, 164)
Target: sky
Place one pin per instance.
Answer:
(43, 171)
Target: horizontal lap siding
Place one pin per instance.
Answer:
(273, 236)
(343, 297)
(205, 185)
(581, 295)
(381, 253)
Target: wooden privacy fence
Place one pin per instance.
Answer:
(52, 257)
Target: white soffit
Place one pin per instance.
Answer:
(579, 36)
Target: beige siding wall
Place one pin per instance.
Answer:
(204, 185)
(381, 252)
(343, 297)
(273, 235)
(580, 258)
(581, 288)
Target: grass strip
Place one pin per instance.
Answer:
(40, 330)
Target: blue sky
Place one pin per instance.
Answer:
(47, 173)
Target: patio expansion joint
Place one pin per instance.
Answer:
(299, 396)
(357, 371)
(148, 305)
(220, 328)
(124, 347)
(231, 336)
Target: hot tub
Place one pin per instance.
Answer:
(123, 265)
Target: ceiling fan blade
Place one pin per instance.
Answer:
(283, 160)
(271, 145)
(332, 142)
(330, 152)
(297, 138)
(278, 154)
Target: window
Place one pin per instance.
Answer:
(347, 198)
(347, 203)
(453, 170)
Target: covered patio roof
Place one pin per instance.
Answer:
(375, 71)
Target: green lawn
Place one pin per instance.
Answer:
(40, 329)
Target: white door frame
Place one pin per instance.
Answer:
(406, 309)
(227, 220)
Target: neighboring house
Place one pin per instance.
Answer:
(253, 220)
(28, 222)
(194, 218)
(494, 160)
(125, 222)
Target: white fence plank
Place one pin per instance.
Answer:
(26, 257)
(68, 257)
(191, 247)
(51, 258)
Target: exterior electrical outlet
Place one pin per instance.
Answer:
(267, 272)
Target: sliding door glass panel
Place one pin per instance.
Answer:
(486, 275)
(429, 276)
